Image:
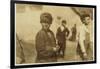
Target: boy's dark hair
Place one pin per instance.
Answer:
(64, 21)
(82, 17)
(46, 17)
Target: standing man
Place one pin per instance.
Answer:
(61, 35)
(84, 48)
(45, 41)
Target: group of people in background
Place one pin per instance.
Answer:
(49, 47)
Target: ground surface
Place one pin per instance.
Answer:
(30, 52)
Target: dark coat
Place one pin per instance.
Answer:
(61, 35)
(44, 46)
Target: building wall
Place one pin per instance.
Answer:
(28, 19)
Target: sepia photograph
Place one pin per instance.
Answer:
(47, 33)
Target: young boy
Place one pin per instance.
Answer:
(84, 48)
(45, 41)
(62, 33)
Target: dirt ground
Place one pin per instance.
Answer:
(30, 52)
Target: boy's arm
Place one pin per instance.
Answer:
(69, 33)
(82, 46)
(40, 44)
(55, 42)
(81, 42)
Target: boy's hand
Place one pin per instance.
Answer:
(85, 55)
(56, 48)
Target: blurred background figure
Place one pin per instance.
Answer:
(74, 31)
(61, 36)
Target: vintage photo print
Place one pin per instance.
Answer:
(47, 33)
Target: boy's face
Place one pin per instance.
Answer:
(45, 26)
(64, 24)
(87, 20)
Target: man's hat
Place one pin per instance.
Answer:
(46, 18)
